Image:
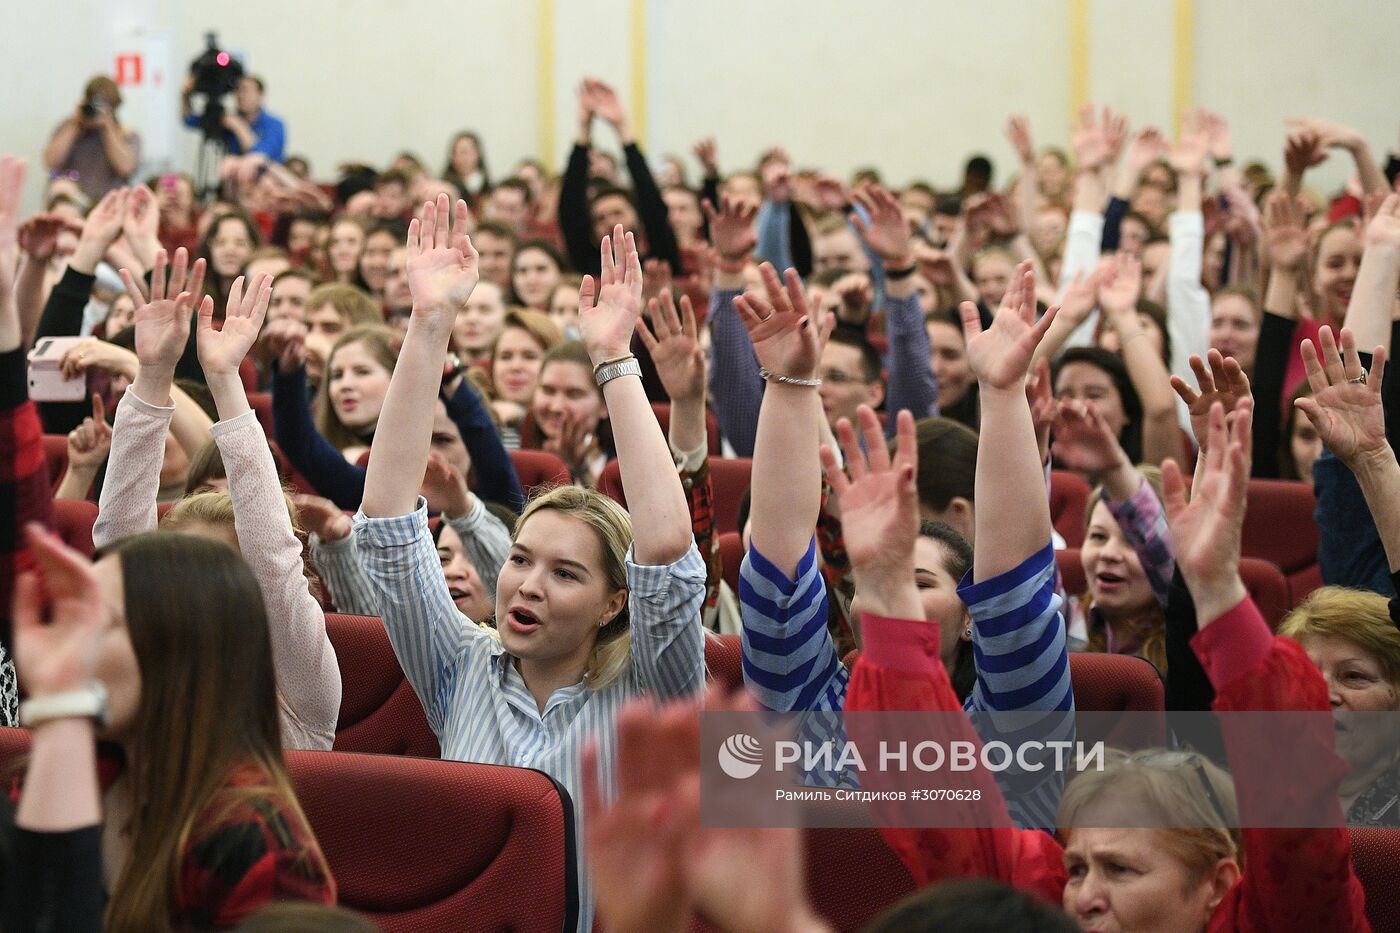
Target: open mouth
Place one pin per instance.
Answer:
(458, 594)
(522, 621)
(1110, 581)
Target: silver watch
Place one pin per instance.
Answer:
(610, 371)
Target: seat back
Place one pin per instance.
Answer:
(379, 712)
(424, 845)
(723, 660)
(730, 478)
(731, 556)
(1118, 683)
(1375, 854)
(419, 845)
(1069, 495)
(261, 403)
(56, 456)
(539, 468)
(1279, 527)
(73, 521)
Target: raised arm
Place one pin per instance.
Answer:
(88, 446)
(128, 500)
(662, 534)
(1347, 410)
(308, 678)
(63, 313)
(38, 239)
(1014, 519)
(1333, 135)
(912, 384)
(1371, 311)
(575, 226)
(1188, 303)
(442, 271)
(1118, 296)
(734, 381)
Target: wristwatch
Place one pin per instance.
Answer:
(607, 372)
(89, 702)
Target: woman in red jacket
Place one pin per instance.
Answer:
(1122, 879)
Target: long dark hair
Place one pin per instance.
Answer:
(1112, 364)
(214, 283)
(957, 560)
(450, 174)
(208, 707)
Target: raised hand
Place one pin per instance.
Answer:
(604, 102)
(1188, 156)
(1345, 406)
(91, 353)
(1147, 146)
(1220, 145)
(879, 510)
(1115, 133)
(1084, 442)
(141, 223)
(1223, 382)
(1001, 355)
(1329, 133)
(59, 616)
(163, 322)
(39, 236)
(90, 442)
(656, 278)
(322, 517)
(1082, 295)
(886, 232)
(1285, 234)
(1018, 131)
(442, 265)
(707, 155)
(286, 343)
(1120, 285)
(11, 191)
(776, 174)
(787, 333)
(1206, 531)
(1303, 148)
(221, 352)
(674, 345)
(575, 444)
(102, 225)
(732, 228)
(606, 325)
(445, 488)
(1040, 395)
(1089, 140)
(1383, 229)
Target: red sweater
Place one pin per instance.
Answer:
(1295, 879)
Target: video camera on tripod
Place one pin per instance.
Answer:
(214, 73)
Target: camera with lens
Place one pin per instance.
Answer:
(213, 74)
(92, 107)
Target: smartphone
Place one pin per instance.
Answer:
(46, 381)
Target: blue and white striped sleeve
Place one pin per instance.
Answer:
(1022, 660)
(338, 563)
(486, 542)
(668, 639)
(789, 661)
(427, 631)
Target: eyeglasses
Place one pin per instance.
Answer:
(838, 378)
(1168, 760)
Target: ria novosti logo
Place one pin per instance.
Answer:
(740, 756)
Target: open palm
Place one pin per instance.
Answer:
(787, 334)
(1001, 355)
(879, 503)
(607, 323)
(222, 351)
(1206, 530)
(1223, 381)
(442, 265)
(1348, 414)
(163, 322)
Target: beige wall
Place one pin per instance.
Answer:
(912, 86)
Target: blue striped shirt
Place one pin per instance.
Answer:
(475, 699)
(1018, 641)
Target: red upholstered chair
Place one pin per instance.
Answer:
(73, 522)
(731, 556)
(1117, 683)
(537, 468)
(1269, 588)
(379, 712)
(1069, 495)
(420, 845)
(1375, 854)
(729, 477)
(722, 660)
(663, 415)
(56, 454)
(1071, 571)
(1279, 527)
(425, 845)
(261, 402)
(248, 373)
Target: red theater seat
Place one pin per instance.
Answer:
(379, 712)
(56, 454)
(729, 477)
(723, 660)
(539, 468)
(73, 521)
(1375, 854)
(1069, 495)
(420, 844)
(1117, 683)
(731, 556)
(1279, 527)
(261, 403)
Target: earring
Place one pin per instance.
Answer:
(967, 632)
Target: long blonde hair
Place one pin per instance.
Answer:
(382, 344)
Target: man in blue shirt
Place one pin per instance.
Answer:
(248, 127)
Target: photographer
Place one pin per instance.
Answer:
(248, 127)
(91, 145)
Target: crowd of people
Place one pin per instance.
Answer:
(906, 368)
